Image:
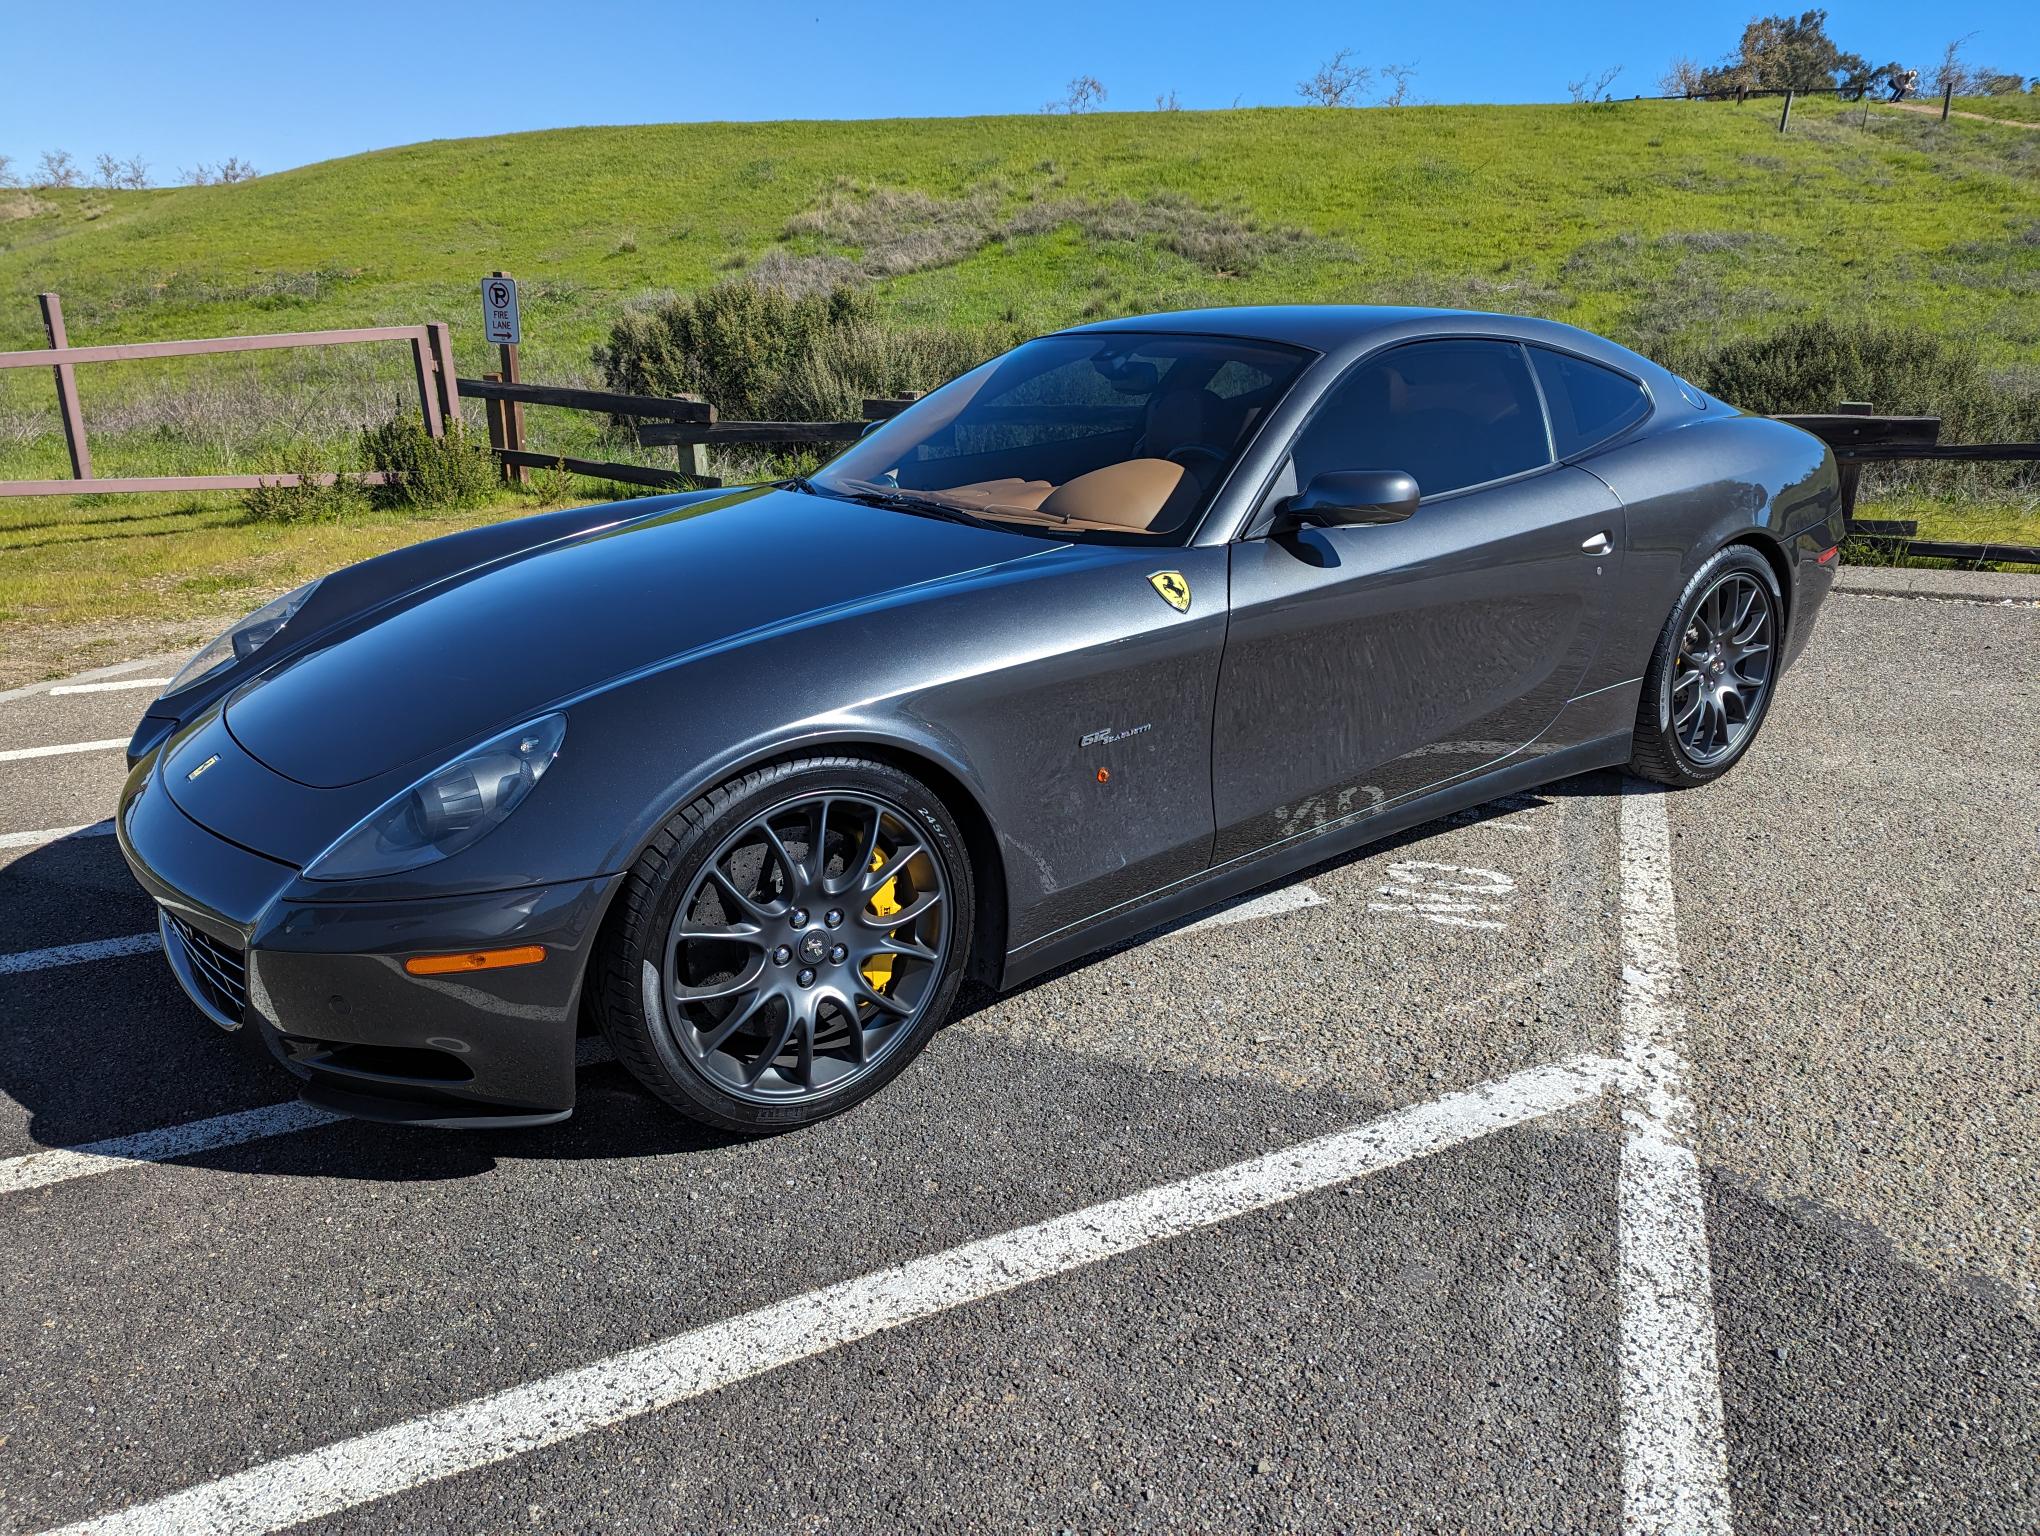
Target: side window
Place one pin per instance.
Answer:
(1450, 413)
(1589, 403)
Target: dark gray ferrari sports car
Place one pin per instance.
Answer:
(1117, 625)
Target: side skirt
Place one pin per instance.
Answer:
(1236, 879)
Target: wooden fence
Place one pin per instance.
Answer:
(1858, 437)
(431, 359)
(682, 422)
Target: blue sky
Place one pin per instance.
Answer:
(285, 84)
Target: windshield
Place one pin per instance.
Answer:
(1115, 437)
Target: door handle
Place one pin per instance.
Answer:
(1599, 544)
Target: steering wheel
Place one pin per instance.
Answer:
(1190, 451)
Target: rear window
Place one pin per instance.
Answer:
(1589, 404)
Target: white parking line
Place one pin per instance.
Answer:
(118, 669)
(58, 1165)
(125, 682)
(1674, 1452)
(555, 1408)
(77, 954)
(15, 754)
(54, 835)
(1291, 898)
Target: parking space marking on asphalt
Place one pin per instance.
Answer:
(15, 754)
(59, 1165)
(1674, 1449)
(112, 687)
(1291, 898)
(1450, 895)
(34, 1170)
(118, 669)
(77, 954)
(503, 1425)
(54, 835)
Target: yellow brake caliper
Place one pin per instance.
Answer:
(878, 969)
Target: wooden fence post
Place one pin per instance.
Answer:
(67, 389)
(492, 410)
(513, 413)
(1785, 117)
(428, 387)
(441, 339)
(1851, 470)
(1947, 99)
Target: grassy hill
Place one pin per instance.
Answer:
(1626, 218)
(1665, 224)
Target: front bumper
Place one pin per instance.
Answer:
(323, 982)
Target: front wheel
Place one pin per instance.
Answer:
(788, 943)
(1710, 679)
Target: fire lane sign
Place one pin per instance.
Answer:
(499, 311)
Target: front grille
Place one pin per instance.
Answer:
(219, 971)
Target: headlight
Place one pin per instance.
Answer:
(447, 810)
(244, 639)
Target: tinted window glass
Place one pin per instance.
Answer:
(1589, 403)
(1450, 413)
(1106, 436)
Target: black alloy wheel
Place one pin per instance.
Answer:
(788, 943)
(1711, 676)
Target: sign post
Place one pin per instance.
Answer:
(503, 326)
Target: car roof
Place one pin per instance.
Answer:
(1344, 328)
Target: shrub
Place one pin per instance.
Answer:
(759, 352)
(309, 501)
(1815, 365)
(427, 471)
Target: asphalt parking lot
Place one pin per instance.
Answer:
(1597, 1160)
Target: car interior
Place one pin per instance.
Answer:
(1131, 437)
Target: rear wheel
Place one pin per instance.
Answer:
(788, 943)
(1710, 679)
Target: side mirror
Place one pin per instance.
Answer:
(1341, 496)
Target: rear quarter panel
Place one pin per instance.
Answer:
(1692, 489)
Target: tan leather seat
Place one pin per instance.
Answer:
(1133, 494)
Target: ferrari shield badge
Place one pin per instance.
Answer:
(1175, 591)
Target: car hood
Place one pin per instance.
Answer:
(518, 639)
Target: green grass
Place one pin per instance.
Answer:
(2023, 107)
(1587, 214)
(1660, 223)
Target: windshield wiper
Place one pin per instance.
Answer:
(907, 501)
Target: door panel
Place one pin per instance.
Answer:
(1366, 664)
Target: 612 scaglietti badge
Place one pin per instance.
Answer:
(752, 779)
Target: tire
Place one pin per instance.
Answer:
(849, 1023)
(1729, 680)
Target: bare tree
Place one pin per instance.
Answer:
(1337, 83)
(1951, 73)
(1168, 103)
(1586, 92)
(7, 176)
(1084, 94)
(1682, 79)
(57, 169)
(228, 171)
(129, 175)
(1398, 77)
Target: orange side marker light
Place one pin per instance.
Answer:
(1104, 775)
(475, 960)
